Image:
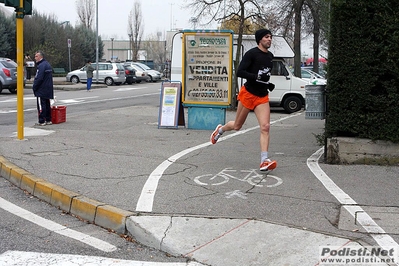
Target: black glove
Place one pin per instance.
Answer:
(271, 86)
(264, 77)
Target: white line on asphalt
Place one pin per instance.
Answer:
(85, 102)
(385, 241)
(17, 258)
(130, 89)
(56, 228)
(146, 199)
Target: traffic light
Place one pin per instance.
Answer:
(27, 8)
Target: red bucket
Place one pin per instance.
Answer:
(58, 114)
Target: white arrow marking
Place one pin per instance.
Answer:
(236, 193)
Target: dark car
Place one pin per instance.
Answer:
(8, 75)
(130, 74)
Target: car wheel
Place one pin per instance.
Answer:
(292, 104)
(75, 79)
(13, 90)
(109, 81)
(138, 81)
(1, 87)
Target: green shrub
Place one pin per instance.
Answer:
(363, 70)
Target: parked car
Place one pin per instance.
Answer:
(130, 75)
(109, 73)
(153, 75)
(8, 75)
(321, 72)
(312, 77)
(141, 74)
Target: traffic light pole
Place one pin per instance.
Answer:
(20, 71)
(22, 8)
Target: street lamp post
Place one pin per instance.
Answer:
(112, 49)
(130, 46)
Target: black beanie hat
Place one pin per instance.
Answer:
(259, 34)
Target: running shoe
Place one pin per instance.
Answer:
(49, 123)
(267, 165)
(215, 134)
(40, 124)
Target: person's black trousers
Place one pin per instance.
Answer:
(44, 110)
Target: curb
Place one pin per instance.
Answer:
(95, 212)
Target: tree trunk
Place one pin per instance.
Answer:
(297, 4)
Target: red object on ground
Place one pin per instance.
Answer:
(58, 114)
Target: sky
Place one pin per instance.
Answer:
(158, 15)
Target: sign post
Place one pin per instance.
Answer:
(207, 76)
(69, 54)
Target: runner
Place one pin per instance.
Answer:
(255, 67)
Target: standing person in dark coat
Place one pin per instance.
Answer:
(89, 73)
(43, 89)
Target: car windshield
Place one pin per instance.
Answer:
(9, 64)
(139, 66)
(307, 74)
(315, 74)
(144, 66)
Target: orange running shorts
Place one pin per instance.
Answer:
(250, 101)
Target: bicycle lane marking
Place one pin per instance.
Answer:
(224, 176)
(146, 199)
(376, 232)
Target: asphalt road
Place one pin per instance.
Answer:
(111, 153)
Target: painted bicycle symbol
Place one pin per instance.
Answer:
(250, 176)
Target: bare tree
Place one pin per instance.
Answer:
(86, 12)
(297, 7)
(135, 28)
(241, 11)
(155, 50)
(318, 26)
(299, 18)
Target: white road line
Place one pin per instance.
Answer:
(76, 101)
(146, 199)
(130, 89)
(19, 258)
(385, 241)
(56, 228)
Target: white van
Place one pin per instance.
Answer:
(289, 91)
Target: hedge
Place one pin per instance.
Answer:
(363, 70)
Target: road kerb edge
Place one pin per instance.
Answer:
(112, 217)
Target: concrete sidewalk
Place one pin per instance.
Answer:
(207, 240)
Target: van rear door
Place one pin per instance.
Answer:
(281, 79)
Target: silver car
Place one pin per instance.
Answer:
(108, 73)
(8, 75)
(152, 74)
(141, 74)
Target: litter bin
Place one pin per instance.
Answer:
(315, 102)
